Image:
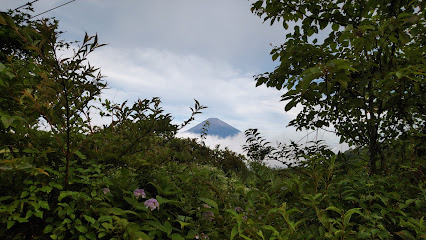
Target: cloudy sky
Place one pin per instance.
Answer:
(184, 50)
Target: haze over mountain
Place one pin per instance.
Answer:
(216, 127)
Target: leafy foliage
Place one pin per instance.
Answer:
(366, 78)
(63, 178)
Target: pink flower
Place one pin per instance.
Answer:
(106, 190)
(203, 236)
(139, 193)
(152, 203)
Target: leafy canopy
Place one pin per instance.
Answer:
(357, 66)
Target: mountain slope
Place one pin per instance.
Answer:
(216, 127)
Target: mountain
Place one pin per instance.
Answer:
(216, 127)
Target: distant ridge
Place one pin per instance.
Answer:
(216, 127)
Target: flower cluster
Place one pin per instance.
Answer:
(202, 236)
(152, 204)
(106, 190)
(238, 209)
(209, 216)
(139, 193)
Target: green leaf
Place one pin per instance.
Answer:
(101, 234)
(275, 56)
(393, 39)
(183, 224)
(260, 233)
(349, 27)
(56, 185)
(81, 228)
(335, 27)
(290, 105)
(107, 226)
(91, 235)
(167, 228)
(234, 232)
(349, 213)
(48, 229)
(89, 219)
(332, 208)
(210, 202)
(398, 75)
(162, 200)
(143, 236)
(177, 236)
(24, 194)
(285, 25)
(65, 194)
(44, 204)
(5, 198)
(7, 120)
(117, 211)
(406, 235)
(271, 228)
(10, 224)
(46, 189)
(6, 19)
(258, 4)
(38, 214)
(105, 218)
(80, 155)
(2, 20)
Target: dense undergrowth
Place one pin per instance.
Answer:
(133, 179)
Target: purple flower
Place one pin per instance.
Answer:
(238, 209)
(209, 215)
(245, 217)
(203, 236)
(152, 203)
(139, 193)
(106, 190)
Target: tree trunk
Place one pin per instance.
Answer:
(374, 149)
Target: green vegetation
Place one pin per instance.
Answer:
(365, 79)
(61, 177)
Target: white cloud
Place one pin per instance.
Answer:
(236, 142)
(229, 93)
(224, 30)
(177, 79)
(233, 143)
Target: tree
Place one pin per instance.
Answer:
(366, 78)
(11, 44)
(64, 89)
(13, 81)
(257, 148)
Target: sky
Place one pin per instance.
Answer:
(185, 50)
